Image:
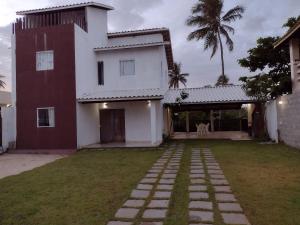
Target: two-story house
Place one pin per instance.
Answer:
(75, 84)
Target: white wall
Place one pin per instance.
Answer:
(271, 120)
(88, 131)
(8, 125)
(135, 40)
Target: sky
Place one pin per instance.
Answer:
(261, 18)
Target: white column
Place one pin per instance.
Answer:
(153, 121)
(294, 58)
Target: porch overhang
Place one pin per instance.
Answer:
(123, 99)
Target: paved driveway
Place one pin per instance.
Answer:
(12, 164)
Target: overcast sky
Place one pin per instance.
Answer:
(262, 18)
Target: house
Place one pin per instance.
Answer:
(76, 84)
(284, 119)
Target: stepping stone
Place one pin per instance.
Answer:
(197, 188)
(198, 195)
(144, 187)
(167, 181)
(217, 176)
(127, 213)
(119, 223)
(201, 216)
(139, 194)
(162, 194)
(199, 175)
(230, 207)
(151, 175)
(215, 172)
(196, 167)
(234, 218)
(225, 189)
(158, 204)
(134, 203)
(197, 181)
(154, 171)
(165, 187)
(219, 182)
(155, 214)
(201, 205)
(170, 171)
(200, 224)
(213, 167)
(151, 223)
(225, 197)
(148, 181)
(197, 171)
(169, 175)
(196, 164)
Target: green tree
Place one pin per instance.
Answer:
(273, 78)
(291, 22)
(212, 25)
(176, 77)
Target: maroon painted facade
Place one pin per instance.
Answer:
(54, 88)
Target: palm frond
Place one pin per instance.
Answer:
(198, 34)
(229, 41)
(234, 14)
(211, 41)
(197, 21)
(228, 28)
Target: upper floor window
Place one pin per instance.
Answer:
(100, 73)
(44, 60)
(127, 67)
(45, 117)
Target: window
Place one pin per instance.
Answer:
(127, 67)
(44, 60)
(100, 73)
(45, 117)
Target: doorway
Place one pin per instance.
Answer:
(112, 125)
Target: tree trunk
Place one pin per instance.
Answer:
(222, 56)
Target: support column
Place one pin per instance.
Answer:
(187, 121)
(212, 124)
(153, 121)
(295, 60)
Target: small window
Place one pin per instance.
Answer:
(127, 67)
(100, 73)
(44, 60)
(45, 117)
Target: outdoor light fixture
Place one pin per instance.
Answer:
(149, 103)
(280, 102)
(105, 105)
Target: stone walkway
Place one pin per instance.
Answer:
(149, 202)
(205, 175)
(210, 195)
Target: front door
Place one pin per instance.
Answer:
(112, 125)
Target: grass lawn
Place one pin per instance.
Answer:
(88, 187)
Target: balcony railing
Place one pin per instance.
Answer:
(49, 20)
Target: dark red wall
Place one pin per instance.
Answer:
(54, 88)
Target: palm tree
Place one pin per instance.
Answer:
(177, 77)
(211, 23)
(222, 80)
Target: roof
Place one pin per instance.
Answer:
(291, 32)
(65, 7)
(139, 45)
(122, 95)
(205, 95)
(166, 38)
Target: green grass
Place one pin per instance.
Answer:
(85, 188)
(88, 187)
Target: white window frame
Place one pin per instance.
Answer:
(51, 120)
(122, 74)
(48, 60)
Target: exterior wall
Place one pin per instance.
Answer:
(54, 88)
(88, 129)
(289, 119)
(137, 120)
(8, 126)
(148, 70)
(142, 39)
(271, 120)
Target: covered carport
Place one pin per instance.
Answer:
(226, 110)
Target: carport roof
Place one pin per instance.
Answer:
(210, 95)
